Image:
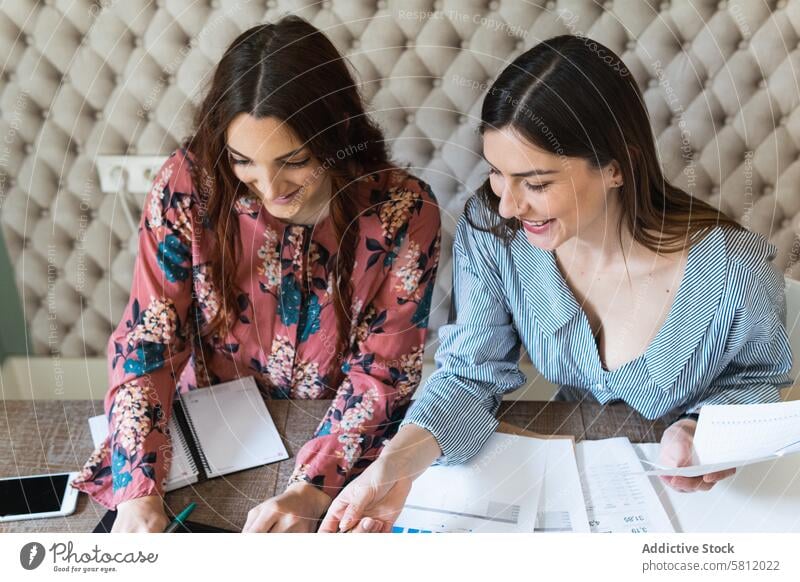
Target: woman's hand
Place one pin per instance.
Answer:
(371, 503)
(295, 510)
(676, 451)
(143, 514)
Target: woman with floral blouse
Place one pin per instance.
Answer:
(278, 242)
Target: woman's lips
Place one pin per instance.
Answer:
(538, 227)
(286, 199)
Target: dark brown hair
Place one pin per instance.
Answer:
(291, 71)
(573, 97)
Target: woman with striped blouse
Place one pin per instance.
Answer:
(619, 285)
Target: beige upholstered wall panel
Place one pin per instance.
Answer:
(82, 79)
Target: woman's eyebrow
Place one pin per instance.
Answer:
(233, 151)
(279, 158)
(526, 174)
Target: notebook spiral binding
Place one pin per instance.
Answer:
(193, 447)
(186, 448)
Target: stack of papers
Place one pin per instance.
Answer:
(523, 484)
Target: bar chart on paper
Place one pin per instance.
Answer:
(483, 495)
(497, 516)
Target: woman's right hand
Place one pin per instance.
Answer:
(373, 501)
(370, 503)
(143, 514)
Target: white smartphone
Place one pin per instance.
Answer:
(37, 496)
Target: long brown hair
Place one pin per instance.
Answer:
(573, 97)
(291, 71)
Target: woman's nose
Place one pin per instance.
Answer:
(511, 205)
(266, 183)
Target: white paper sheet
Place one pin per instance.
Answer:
(739, 435)
(561, 505)
(758, 498)
(497, 491)
(619, 497)
(234, 427)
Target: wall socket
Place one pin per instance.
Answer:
(132, 174)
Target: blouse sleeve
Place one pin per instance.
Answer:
(478, 356)
(148, 350)
(758, 356)
(384, 366)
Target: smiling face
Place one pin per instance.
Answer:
(555, 198)
(271, 160)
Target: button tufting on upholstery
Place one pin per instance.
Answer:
(718, 91)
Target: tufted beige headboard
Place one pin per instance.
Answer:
(121, 77)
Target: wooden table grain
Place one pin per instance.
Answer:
(53, 436)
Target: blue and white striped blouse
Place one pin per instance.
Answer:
(723, 342)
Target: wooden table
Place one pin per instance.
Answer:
(53, 436)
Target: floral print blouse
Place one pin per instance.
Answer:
(286, 332)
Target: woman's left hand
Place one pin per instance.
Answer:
(676, 451)
(297, 510)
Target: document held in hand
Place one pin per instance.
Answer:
(730, 436)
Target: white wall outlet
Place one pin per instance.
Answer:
(132, 174)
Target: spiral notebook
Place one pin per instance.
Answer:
(215, 431)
